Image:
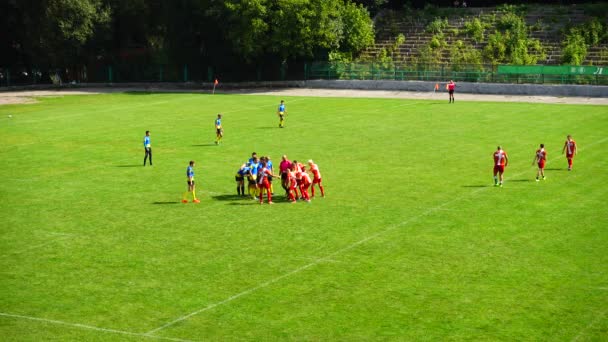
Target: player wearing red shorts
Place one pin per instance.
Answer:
(293, 183)
(540, 158)
(299, 168)
(500, 162)
(304, 185)
(316, 178)
(263, 182)
(570, 149)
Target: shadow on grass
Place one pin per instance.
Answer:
(204, 145)
(229, 197)
(476, 186)
(248, 200)
(556, 169)
(133, 165)
(168, 202)
(519, 180)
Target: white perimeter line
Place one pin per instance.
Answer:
(90, 327)
(591, 324)
(329, 256)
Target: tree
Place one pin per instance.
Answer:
(358, 29)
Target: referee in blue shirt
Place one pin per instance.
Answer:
(148, 148)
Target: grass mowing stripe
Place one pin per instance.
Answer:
(329, 256)
(590, 325)
(23, 250)
(90, 327)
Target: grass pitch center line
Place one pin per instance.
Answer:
(329, 256)
(90, 327)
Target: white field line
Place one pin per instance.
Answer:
(90, 327)
(589, 326)
(329, 256)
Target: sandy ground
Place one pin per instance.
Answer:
(17, 97)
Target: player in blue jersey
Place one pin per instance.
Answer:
(191, 187)
(240, 179)
(254, 165)
(219, 131)
(281, 112)
(147, 148)
(269, 167)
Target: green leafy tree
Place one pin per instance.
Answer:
(247, 26)
(357, 28)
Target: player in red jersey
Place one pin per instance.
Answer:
(293, 183)
(316, 178)
(263, 173)
(540, 158)
(451, 86)
(304, 185)
(570, 149)
(299, 168)
(500, 162)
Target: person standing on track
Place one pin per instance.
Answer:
(451, 86)
(147, 148)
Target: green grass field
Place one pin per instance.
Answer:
(411, 242)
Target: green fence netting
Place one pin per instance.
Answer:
(150, 73)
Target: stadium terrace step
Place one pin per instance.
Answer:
(552, 21)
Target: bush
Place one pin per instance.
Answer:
(575, 49)
(475, 29)
(511, 22)
(594, 32)
(519, 10)
(510, 43)
(437, 42)
(465, 57)
(496, 50)
(437, 26)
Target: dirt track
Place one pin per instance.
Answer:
(17, 97)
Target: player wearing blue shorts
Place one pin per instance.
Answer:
(219, 131)
(191, 187)
(240, 179)
(147, 148)
(281, 112)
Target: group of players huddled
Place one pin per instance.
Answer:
(295, 180)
